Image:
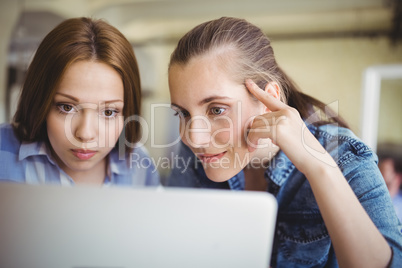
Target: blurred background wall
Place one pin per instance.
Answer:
(324, 45)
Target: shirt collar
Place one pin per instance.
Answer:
(28, 149)
(116, 165)
(281, 167)
(278, 172)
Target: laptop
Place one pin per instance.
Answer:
(83, 227)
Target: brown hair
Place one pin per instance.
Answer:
(247, 53)
(75, 40)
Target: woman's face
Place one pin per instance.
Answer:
(215, 113)
(86, 117)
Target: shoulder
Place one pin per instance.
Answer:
(138, 154)
(356, 160)
(134, 168)
(25, 162)
(145, 167)
(185, 170)
(8, 141)
(139, 158)
(343, 145)
(11, 169)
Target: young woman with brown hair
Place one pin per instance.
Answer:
(74, 122)
(246, 126)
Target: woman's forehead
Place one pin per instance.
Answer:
(91, 81)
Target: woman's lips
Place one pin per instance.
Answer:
(210, 158)
(83, 154)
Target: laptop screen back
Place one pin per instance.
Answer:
(49, 226)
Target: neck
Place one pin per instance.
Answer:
(254, 171)
(94, 176)
(254, 179)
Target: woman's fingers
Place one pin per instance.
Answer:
(282, 124)
(269, 101)
(254, 135)
(262, 127)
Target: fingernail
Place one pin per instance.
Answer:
(251, 149)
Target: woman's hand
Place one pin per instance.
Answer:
(284, 126)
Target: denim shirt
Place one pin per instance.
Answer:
(301, 237)
(32, 163)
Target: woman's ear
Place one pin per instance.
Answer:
(273, 89)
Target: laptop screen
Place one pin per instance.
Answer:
(51, 226)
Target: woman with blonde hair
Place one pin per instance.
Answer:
(246, 126)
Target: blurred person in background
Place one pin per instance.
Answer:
(393, 178)
(72, 124)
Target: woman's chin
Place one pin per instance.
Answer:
(220, 175)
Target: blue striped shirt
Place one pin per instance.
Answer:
(33, 163)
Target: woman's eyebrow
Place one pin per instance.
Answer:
(212, 98)
(68, 96)
(204, 101)
(117, 100)
(172, 105)
(77, 100)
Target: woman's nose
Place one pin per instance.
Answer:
(86, 126)
(198, 132)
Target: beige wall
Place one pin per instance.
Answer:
(331, 69)
(9, 11)
(390, 117)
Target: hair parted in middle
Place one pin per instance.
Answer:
(76, 39)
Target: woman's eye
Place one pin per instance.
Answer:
(109, 113)
(182, 114)
(217, 110)
(66, 108)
